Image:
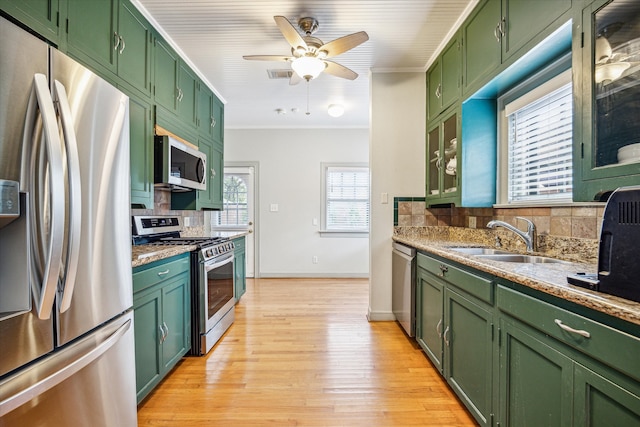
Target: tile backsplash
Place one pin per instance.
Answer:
(582, 222)
(162, 206)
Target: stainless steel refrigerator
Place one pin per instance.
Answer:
(66, 320)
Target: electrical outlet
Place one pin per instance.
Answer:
(472, 222)
(273, 207)
(314, 259)
(187, 221)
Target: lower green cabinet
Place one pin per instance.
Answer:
(455, 329)
(524, 359)
(239, 268)
(536, 381)
(162, 319)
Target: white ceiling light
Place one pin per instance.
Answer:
(308, 67)
(335, 110)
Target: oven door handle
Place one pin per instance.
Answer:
(218, 262)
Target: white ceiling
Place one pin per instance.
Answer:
(214, 34)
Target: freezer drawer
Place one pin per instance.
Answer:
(88, 383)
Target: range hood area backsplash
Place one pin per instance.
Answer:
(162, 206)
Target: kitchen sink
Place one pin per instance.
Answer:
(524, 259)
(480, 251)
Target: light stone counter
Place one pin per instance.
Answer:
(547, 278)
(146, 254)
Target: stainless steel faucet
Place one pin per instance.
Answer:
(529, 236)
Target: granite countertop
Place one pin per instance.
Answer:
(548, 278)
(146, 254)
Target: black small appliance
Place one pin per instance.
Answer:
(619, 249)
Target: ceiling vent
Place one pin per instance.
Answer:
(280, 74)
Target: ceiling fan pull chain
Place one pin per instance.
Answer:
(308, 112)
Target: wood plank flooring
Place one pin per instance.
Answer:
(302, 353)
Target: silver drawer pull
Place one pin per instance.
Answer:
(162, 273)
(443, 269)
(580, 332)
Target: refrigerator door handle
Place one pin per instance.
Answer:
(75, 195)
(34, 390)
(41, 97)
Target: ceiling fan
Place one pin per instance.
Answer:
(309, 54)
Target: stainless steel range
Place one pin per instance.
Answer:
(212, 277)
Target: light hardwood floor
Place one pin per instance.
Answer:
(302, 353)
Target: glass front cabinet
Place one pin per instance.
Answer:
(608, 137)
(442, 160)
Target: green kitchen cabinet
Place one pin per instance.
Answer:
(165, 69)
(211, 197)
(204, 112)
(442, 165)
(501, 31)
(559, 368)
(91, 28)
(455, 329)
(187, 84)
(430, 314)
(218, 120)
(536, 381)
(114, 39)
(141, 149)
(443, 79)
(607, 108)
(239, 268)
(162, 319)
(42, 16)
(600, 402)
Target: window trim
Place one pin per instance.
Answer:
(324, 166)
(545, 79)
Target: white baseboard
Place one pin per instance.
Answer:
(314, 275)
(380, 316)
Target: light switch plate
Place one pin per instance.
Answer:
(273, 207)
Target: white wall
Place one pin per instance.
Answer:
(397, 162)
(290, 176)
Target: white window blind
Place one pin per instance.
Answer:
(540, 144)
(347, 198)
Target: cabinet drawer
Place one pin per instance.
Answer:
(157, 272)
(612, 347)
(477, 286)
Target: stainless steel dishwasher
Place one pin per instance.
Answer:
(403, 282)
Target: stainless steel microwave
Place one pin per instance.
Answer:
(179, 166)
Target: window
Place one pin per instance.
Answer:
(235, 201)
(346, 198)
(537, 143)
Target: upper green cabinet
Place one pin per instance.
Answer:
(141, 149)
(111, 35)
(165, 85)
(443, 79)
(606, 129)
(442, 170)
(498, 30)
(187, 95)
(43, 16)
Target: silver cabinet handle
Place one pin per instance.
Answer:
(166, 329)
(446, 341)
(33, 390)
(213, 173)
(123, 45)
(213, 122)
(439, 328)
(163, 273)
(503, 27)
(438, 92)
(75, 196)
(567, 328)
(162, 335)
(116, 40)
(496, 33)
(443, 269)
(47, 253)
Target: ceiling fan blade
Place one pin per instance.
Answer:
(338, 70)
(343, 44)
(295, 79)
(267, 58)
(289, 32)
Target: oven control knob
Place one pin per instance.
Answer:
(209, 252)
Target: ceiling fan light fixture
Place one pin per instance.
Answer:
(610, 71)
(335, 110)
(308, 67)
